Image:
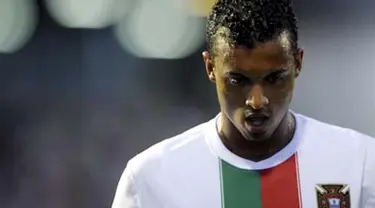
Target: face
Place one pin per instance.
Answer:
(254, 86)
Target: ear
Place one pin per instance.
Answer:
(299, 61)
(210, 70)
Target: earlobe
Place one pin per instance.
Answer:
(296, 74)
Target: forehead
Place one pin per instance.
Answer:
(264, 56)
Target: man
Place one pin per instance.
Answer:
(256, 152)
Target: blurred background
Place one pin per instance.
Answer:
(87, 84)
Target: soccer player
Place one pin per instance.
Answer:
(256, 153)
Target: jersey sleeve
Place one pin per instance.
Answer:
(371, 200)
(368, 193)
(127, 195)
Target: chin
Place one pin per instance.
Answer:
(256, 137)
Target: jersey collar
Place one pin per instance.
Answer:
(218, 148)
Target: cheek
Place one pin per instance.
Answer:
(280, 100)
(281, 93)
(230, 97)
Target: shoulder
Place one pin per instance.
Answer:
(169, 150)
(329, 133)
(345, 141)
(144, 171)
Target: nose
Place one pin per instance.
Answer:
(256, 99)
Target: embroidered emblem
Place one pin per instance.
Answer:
(333, 195)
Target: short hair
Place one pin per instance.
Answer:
(248, 22)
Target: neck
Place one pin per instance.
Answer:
(256, 150)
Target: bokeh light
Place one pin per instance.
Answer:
(94, 14)
(160, 29)
(18, 20)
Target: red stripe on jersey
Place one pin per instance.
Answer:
(280, 185)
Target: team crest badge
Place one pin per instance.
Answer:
(333, 195)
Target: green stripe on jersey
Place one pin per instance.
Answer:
(239, 188)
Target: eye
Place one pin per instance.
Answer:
(276, 77)
(236, 80)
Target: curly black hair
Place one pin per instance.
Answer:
(248, 22)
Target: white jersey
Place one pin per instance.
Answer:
(324, 166)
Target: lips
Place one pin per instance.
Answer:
(256, 122)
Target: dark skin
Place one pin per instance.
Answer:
(258, 81)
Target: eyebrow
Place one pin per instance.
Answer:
(281, 71)
(267, 72)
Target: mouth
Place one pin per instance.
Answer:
(256, 122)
